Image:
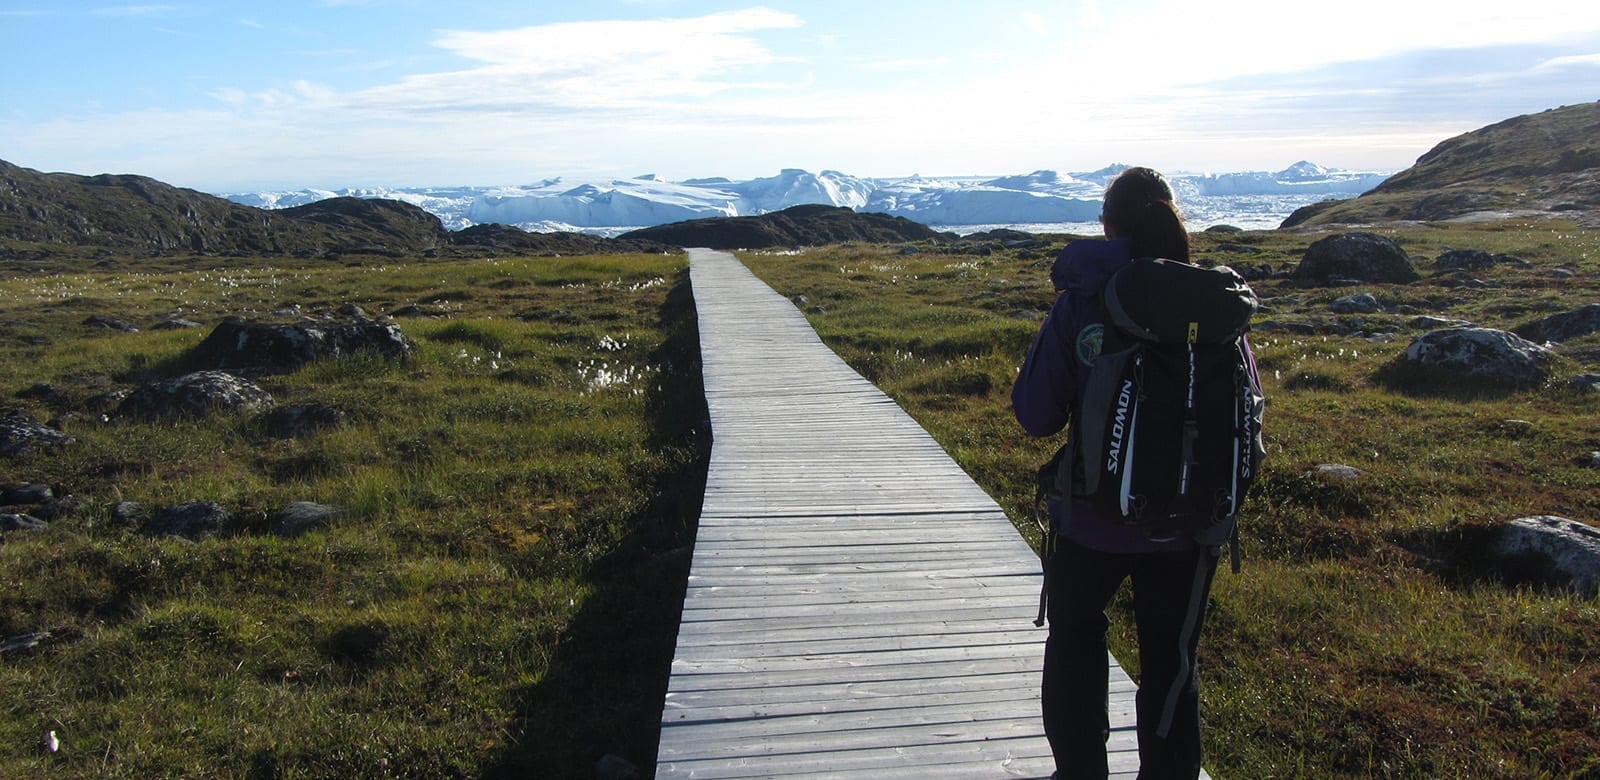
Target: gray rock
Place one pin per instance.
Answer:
(1587, 383)
(1360, 303)
(1337, 472)
(1364, 257)
(196, 394)
(1572, 548)
(1581, 321)
(292, 422)
(131, 514)
(1481, 354)
(194, 520)
(29, 494)
(301, 517)
(20, 436)
(109, 323)
(21, 522)
(1431, 322)
(175, 323)
(1475, 260)
(237, 343)
(24, 642)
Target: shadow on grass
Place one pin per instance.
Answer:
(607, 680)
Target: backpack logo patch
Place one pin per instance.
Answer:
(1089, 341)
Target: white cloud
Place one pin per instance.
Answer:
(1579, 60)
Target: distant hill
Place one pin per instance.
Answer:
(1538, 165)
(68, 213)
(806, 225)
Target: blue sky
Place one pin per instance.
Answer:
(234, 96)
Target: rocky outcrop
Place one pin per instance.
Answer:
(239, 343)
(796, 226)
(1544, 165)
(1355, 257)
(1482, 356)
(194, 395)
(1579, 322)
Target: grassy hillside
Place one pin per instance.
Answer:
(1365, 637)
(499, 598)
(1545, 164)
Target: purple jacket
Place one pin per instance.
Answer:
(1057, 370)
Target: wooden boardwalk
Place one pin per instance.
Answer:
(857, 606)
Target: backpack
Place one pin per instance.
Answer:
(1167, 433)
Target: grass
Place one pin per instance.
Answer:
(1366, 636)
(498, 599)
(500, 596)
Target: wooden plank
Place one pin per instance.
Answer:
(857, 606)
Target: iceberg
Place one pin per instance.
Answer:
(1042, 197)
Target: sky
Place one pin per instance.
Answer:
(232, 96)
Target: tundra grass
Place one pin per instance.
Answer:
(1366, 635)
(498, 598)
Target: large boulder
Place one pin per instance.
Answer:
(239, 343)
(1360, 257)
(1581, 321)
(1567, 550)
(194, 395)
(1483, 355)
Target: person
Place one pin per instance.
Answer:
(1088, 561)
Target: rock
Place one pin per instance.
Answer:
(1431, 322)
(20, 522)
(175, 323)
(196, 394)
(411, 310)
(300, 517)
(24, 642)
(1572, 549)
(1224, 229)
(1585, 383)
(29, 494)
(1366, 257)
(1483, 354)
(292, 422)
(130, 514)
(56, 508)
(109, 323)
(1474, 260)
(237, 343)
(1360, 303)
(20, 436)
(40, 391)
(1581, 321)
(194, 520)
(351, 310)
(1337, 472)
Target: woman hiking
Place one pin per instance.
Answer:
(1095, 553)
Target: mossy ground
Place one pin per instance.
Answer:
(1365, 636)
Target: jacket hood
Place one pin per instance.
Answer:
(1085, 264)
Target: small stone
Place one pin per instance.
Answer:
(1338, 472)
(18, 522)
(301, 517)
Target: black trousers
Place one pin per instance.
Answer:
(1170, 591)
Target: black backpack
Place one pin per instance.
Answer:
(1167, 434)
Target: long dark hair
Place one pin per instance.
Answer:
(1139, 206)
